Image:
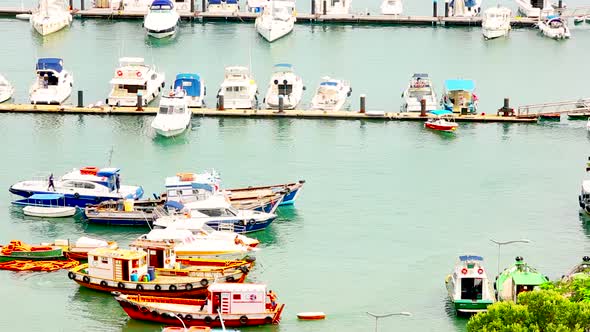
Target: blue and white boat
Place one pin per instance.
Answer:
(459, 96)
(52, 84)
(46, 205)
(80, 187)
(194, 88)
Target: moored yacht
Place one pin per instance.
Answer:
(53, 84)
(554, 27)
(496, 22)
(331, 94)
(420, 87)
(223, 6)
(470, 290)
(256, 6)
(50, 16)
(239, 89)
(6, 89)
(174, 116)
(535, 8)
(518, 279)
(134, 77)
(284, 82)
(162, 19)
(193, 87)
(276, 21)
(464, 8)
(333, 7)
(459, 96)
(392, 7)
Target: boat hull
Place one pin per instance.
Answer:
(75, 199)
(293, 191)
(469, 306)
(171, 132)
(445, 128)
(49, 255)
(239, 227)
(49, 212)
(494, 33)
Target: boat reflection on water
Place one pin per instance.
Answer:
(94, 306)
(585, 222)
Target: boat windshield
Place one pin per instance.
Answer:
(171, 110)
(236, 92)
(419, 93)
(471, 288)
(217, 212)
(161, 8)
(284, 89)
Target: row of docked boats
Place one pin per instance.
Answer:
(458, 95)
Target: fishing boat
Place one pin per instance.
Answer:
(464, 8)
(79, 250)
(331, 94)
(496, 22)
(582, 110)
(276, 21)
(459, 96)
(223, 6)
(256, 6)
(333, 7)
(578, 19)
(535, 8)
(162, 19)
(554, 27)
(580, 271)
(443, 121)
(132, 78)
(292, 192)
(284, 82)
(518, 279)
(419, 88)
(81, 187)
(174, 116)
(237, 304)
(239, 89)
(155, 274)
(50, 16)
(392, 7)
(129, 212)
(53, 84)
(19, 251)
(46, 206)
(468, 285)
(6, 89)
(193, 87)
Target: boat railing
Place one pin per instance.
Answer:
(533, 110)
(159, 212)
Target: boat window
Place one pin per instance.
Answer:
(166, 109)
(211, 212)
(285, 89)
(135, 263)
(68, 184)
(89, 185)
(471, 288)
(524, 288)
(131, 88)
(104, 260)
(179, 110)
(237, 297)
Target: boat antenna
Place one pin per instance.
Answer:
(111, 155)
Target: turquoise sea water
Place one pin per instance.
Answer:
(387, 207)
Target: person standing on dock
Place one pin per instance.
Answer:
(51, 184)
(118, 182)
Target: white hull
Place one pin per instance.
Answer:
(54, 94)
(331, 98)
(196, 102)
(223, 8)
(49, 212)
(392, 8)
(525, 7)
(154, 87)
(272, 30)
(290, 102)
(554, 33)
(160, 24)
(494, 33)
(240, 103)
(6, 94)
(160, 35)
(170, 132)
(48, 25)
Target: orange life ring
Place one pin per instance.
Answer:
(89, 170)
(168, 261)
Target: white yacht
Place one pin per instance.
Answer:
(277, 20)
(496, 22)
(53, 84)
(239, 89)
(193, 86)
(392, 7)
(535, 8)
(554, 27)
(284, 82)
(331, 95)
(50, 16)
(174, 116)
(134, 77)
(223, 6)
(420, 87)
(333, 7)
(256, 6)
(464, 8)
(6, 89)
(162, 19)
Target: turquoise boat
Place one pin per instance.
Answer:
(470, 290)
(518, 279)
(12, 252)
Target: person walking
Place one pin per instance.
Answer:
(51, 184)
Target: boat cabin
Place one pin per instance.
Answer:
(117, 264)
(420, 87)
(470, 277)
(521, 278)
(190, 83)
(215, 206)
(232, 298)
(284, 87)
(459, 96)
(159, 246)
(190, 187)
(130, 77)
(222, 5)
(89, 177)
(48, 70)
(332, 7)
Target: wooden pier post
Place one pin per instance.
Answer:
(220, 103)
(82, 7)
(312, 7)
(204, 6)
(506, 103)
(434, 9)
(80, 98)
(446, 8)
(325, 10)
(422, 107)
(560, 4)
(71, 4)
(192, 6)
(363, 104)
(139, 102)
(281, 104)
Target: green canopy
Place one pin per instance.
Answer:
(527, 278)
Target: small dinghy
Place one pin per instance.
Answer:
(443, 121)
(554, 27)
(311, 315)
(46, 206)
(27, 17)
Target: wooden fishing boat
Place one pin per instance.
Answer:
(550, 116)
(578, 115)
(18, 251)
(79, 249)
(580, 271)
(311, 315)
(268, 204)
(126, 212)
(188, 329)
(518, 279)
(237, 304)
(291, 192)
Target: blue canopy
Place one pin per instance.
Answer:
(190, 83)
(470, 258)
(218, 2)
(174, 204)
(470, 3)
(284, 65)
(329, 83)
(459, 85)
(50, 64)
(203, 186)
(46, 197)
(441, 112)
(107, 172)
(160, 3)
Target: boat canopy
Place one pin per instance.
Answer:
(329, 83)
(175, 205)
(459, 85)
(218, 2)
(190, 83)
(46, 197)
(283, 67)
(162, 4)
(439, 113)
(130, 61)
(466, 258)
(528, 278)
(55, 64)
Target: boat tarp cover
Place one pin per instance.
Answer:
(46, 197)
(204, 186)
(190, 83)
(50, 64)
(528, 278)
(470, 257)
(174, 204)
(107, 172)
(161, 3)
(470, 3)
(459, 85)
(283, 67)
(442, 112)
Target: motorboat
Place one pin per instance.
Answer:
(46, 206)
(162, 19)
(223, 6)
(580, 271)
(459, 96)
(518, 279)
(535, 8)
(291, 190)
(194, 88)
(50, 16)
(419, 88)
(554, 27)
(333, 7)
(53, 84)
(443, 120)
(132, 78)
(129, 212)
(331, 94)
(174, 116)
(470, 290)
(81, 187)
(276, 21)
(496, 22)
(579, 19)
(256, 6)
(392, 7)
(6, 89)
(239, 89)
(284, 82)
(464, 8)
(588, 124)
(587, 18)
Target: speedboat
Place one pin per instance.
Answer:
(464, 8)
(129, 212)
(333, 7)
(459, 96)
(419, 88)
(276, 21)
(535, 8)
(392, 7)
(223, 6)
(50, 16)
(443, 121)
(496, 22)
(193, 87)
(239, 89)
(6, 89)
(162, 19)
(579, 272)
(331, 95)
(81, 187)
(174, 116)
(53, 84)
(256, 6)
(470, 290)
(46, 206)
(134, 77)
(554, 27)
(518, 279)
(284, 82)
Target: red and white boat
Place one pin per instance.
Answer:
(235, 304)
(443, 121)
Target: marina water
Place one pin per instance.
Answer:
(387, 207)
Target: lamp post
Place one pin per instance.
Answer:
(501, 243)
(377, 316)
(180, 319)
